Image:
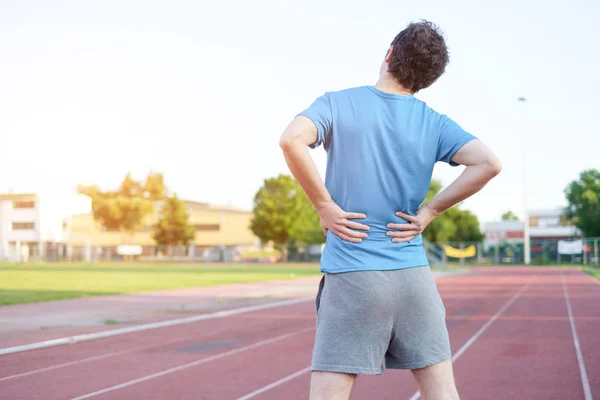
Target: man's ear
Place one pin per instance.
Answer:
(389, 54)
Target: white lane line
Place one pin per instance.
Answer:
(477, 334)
(98, 357)
(192, 364)
(67, 364)
(587, 391)
(153, 325)
(275, 384)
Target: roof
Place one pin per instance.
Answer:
(13, 196)
(215, 207)
(554, 212)
(503, 226)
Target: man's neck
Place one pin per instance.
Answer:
(389, 84)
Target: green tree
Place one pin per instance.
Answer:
(509, 216)
(173, 226)
(306, 229)
(467, 226)
(583, 196)
(452, 225)
(441, 229)
(125, 209)
(283, 213)
(434, 188)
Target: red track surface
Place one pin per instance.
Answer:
(510, 331)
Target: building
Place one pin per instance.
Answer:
(33, 223)
(504, 240)
(220, 233)
(503, 232)
(544, 226)
(551, 224)
(56, 226)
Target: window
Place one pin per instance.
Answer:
(549, 222)
(24, 204)
(22, 226)
(207, 227)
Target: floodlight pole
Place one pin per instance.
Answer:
(527, 242)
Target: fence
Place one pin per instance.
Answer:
(542, 251)
(52, 252)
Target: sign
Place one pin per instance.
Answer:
(460, 253)
(572, 247)
(129, 250)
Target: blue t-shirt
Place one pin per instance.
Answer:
(381, 148)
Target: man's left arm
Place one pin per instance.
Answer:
(294, 142)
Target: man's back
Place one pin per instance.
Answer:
(382, 144)
(381, 151)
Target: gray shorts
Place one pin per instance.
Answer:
(365, 318)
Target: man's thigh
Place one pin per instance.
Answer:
(330, 385)
(436, 382)
(354, 323)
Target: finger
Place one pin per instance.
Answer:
(404, 227)
(396, 234)
(351, 233)
(350, 215)
(398, 240)
(407, 217)
(347, 238)
(356, 225)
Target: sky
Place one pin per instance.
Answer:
(201, 91)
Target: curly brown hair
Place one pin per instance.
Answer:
(419, 56)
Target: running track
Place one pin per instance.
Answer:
(516, 333)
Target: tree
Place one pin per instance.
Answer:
(452, 225)
(583, 196)
(467, 226)
(282, 213)
(173, 226)
(125, 209)
(441, 228)
(306, 229)
(509, 216)
(154, 188)
(121, 213)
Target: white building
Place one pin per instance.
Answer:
(543, 225)
(32, 221)
(551, 224)
(503, 232)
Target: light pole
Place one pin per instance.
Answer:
(527, 243)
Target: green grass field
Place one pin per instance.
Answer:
(593, 271)
(43, 282)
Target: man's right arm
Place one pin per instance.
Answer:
(481, 166)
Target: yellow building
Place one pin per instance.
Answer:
(218, 228)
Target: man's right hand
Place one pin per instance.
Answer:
(336, 220)
(415, 226)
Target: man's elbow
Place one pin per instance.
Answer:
(286, 143)
(290, 141)
(494, 166)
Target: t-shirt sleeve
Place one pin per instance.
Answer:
(452, 138)
(321, 115)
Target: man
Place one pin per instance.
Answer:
(378, 303)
